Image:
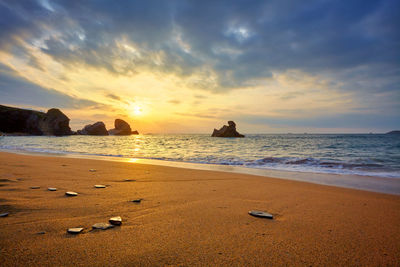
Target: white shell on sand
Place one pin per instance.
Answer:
(74, 230)
(99, 186)
(71, 194)
(5, 214)
(92, 170)
(52, 189)
(116, 220)
(102, 226)
(261, 214)
(35, 187)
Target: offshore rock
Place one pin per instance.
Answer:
(98, 128)
(121, 128)
(227, 131)
(30, 122)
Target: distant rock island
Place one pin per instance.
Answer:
(16, 121)
(227, 131)
(397, 132)
(121, 127)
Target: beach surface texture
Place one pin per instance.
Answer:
(185, 217)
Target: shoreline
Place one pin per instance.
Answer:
(186, 217)
(358, 182)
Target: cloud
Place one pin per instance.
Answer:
(174, 101)
(19, 91)
(113, 97)
(237, 41)
(213, 48)
(369, 122)
(196, 115)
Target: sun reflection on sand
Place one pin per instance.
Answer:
(133, 160)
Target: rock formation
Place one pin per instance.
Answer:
(227, 131)
(30, 122)
(394, 132)
(55, 123)
(121, 128)
(97, 128)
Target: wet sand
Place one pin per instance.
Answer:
(186, 218)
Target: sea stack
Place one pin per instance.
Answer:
(227, 131)
(121, 128)
(98, 128)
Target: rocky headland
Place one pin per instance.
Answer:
(397, 132)
(17, 121)
(30, 122)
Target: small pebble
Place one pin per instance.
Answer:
(261, 214)
(41, 233)
(102, 226)
(137, 200)
(92, 170)
(52, 189)
(99, 186)
(35, 187)
(5, 214)
(71, 194)
(74, 230)
(129, 180)
(116, 220)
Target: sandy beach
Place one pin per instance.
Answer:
(186, 218)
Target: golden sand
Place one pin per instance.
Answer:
(186, 218)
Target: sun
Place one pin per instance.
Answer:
(136, 110)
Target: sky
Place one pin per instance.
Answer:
(175, 66)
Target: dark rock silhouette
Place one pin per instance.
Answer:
(30, 122)
(135, 132)
(55, 123)
(394, 132)
(97, 128)
(121, 128)
(227, 131)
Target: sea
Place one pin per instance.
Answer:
(376, 155)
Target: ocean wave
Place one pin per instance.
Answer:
(367, 156)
